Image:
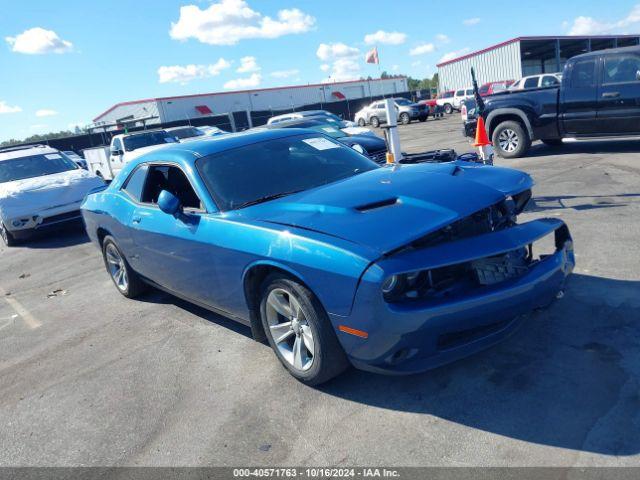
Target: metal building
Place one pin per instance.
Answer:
(171, 109)
(523, 56)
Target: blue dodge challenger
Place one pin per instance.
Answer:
(333, 259)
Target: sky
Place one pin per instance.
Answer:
(62, 63)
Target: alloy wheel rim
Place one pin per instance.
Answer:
(508, 140)
(117, 268)
(289, 329)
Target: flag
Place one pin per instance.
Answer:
(372, 56)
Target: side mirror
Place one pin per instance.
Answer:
(116, 152)
(168, 203)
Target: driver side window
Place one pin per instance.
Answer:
(173, 180)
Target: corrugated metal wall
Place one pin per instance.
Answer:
(286, 98)
(502, 63)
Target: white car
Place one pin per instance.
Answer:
(39, 188)
(537, 81)
(347, 126)
(460, 96)
(186, 133)
(212, 131)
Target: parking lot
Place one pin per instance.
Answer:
(88, 377)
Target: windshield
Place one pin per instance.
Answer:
(402, 101)
(186, 132)
(34, 166)
(141, 140)
(278, 167)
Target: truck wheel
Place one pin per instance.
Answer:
(7, 238)
(375, 123)
(552, 142)
(448, 109)
(362, 123)
(510, 140)
(405, 119)
(299, 331)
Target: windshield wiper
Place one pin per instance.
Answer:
(266, 198)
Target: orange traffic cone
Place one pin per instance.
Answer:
(482, 139)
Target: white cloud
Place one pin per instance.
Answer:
(422, 49)
(455, 54)
(38, 41)
(471, 21)
(229, 21)
(5, 108)
(343, 61)
(186, 73)
(285, 73)
(442, 38)
(45, 112)
(388, 38)
(248, 65)
(395, 68)
(248, 82)
(590, 26)
(417, 63)
(332, 51)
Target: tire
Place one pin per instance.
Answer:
(510, 140)
(362, 123)
(311, 326)
(405, 119)
(129, 284)
(448, 109)
(7, 238)
(423, 119)
(552, 142)
(375, 122)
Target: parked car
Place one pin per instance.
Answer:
(537, 81)
(375, 113)
(331, 257)
(347, 126)
(431, 104)
(599, 97)
(106, 162)
(372, 146)
(39, 187)
(445, 100)
(460, 96)
(185, 133)
(77, 159)
(210, 131)
(491, 88)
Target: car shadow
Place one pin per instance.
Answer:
(613, 145)
(580, 202)
(568, 378)
(62, 236)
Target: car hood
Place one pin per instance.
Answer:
(389, 207)
(35, 195)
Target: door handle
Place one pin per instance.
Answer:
(136, 219)
(610, 94)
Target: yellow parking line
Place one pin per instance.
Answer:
(31, 321)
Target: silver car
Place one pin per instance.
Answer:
(375, 113)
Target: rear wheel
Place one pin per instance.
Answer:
(299, 331)
(362, 123)
(448, 109)
(124, 278)
(7, 238)
(510, 140)
(424, 118)
(552, 142)
(405, 119)
(375, 122)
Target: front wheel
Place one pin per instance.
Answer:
(362, 123)
(448, 109)
(7, 238)
(510, 140)
(375, 122)
(423, 119)
(405, 119)
(124, 278)
(299, 331)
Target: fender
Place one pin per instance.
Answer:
(510, 111)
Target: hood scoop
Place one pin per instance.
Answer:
(390, 202)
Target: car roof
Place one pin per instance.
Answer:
(9, 153)
(609, 51)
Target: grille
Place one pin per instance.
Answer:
(379, 157)
(73, 215)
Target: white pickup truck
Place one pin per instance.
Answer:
(106, 162)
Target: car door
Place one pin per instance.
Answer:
(619, 94)
(380, 111)
(169, 249)
(579, 99)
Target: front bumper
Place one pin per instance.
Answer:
(413, 337)
(50, 217)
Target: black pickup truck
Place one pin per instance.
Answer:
(599, 97)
